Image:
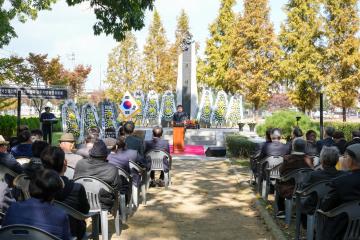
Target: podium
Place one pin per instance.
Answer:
(49, 124)
(179, 139)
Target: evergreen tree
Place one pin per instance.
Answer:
(159, 71)
(123, 68)
(212, 70)
(254, 54)
(302, 56)
(342, 56)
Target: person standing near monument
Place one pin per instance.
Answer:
(180, 116)
(46, 124)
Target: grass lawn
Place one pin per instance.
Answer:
(55, 138)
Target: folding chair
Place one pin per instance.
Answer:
(25, 232)
(271, 166)
(82, 217)
(125, 210)
(299, 176)
(6, 171)
(351, 209)
(321, 189)
(92, 187)
(157, 158)
(135, 190)
(23, 160)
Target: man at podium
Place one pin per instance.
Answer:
(180, 116)
(179, 120)
(47, 119)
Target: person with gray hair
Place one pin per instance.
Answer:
(275, 147)
(346, 188)
(328, 139)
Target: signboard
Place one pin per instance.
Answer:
(128, 106)
(89, 119)
(33, 92)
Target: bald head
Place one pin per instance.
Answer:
(157, 132)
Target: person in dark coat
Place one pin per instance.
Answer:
(180, 116)
(97, 166)
(84, 149)
(296, 133)
(255, 156)
(73, 194)
(23, 149)
(133, 142)
(275, 147)
(329, 157)
(346, 188)
(355, 138)
(328, 139)
(46, 125)
(7, 159)
(38, 211)
(340, 141)
(35, 162)
(158, 144)
(296, 160)
(311, 149)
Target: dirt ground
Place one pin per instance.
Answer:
(206, 201)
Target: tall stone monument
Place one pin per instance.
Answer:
(186, 87)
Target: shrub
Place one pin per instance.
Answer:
(286, 120)
(345, 127)
(8, 125)
(239, 146)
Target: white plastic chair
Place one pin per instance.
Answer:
(25, 232)
(125, 210)
(157, 158)
(135, 191)
(92, 187)
(4, 171)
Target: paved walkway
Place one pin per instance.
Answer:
(206, 201)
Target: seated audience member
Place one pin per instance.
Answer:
(133, 142)
(121, 131)
(296, 160)
(24, 148)
(311, 149)
(38, 211)
(296, 132)
(346, 188)
(6, 199)
(328, 139)
(329, 157)
(73, 194)
(340, 142)
(90, 139)
(275, 147)
(97, 166)
(255, 156)
(355, 138)
(120, 156)
(8, 159)
(36, 135)
(35, 162)
(15, 140)
(67, 142)
(158, 144)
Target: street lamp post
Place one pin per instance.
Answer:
(297, 120)
(321, 113)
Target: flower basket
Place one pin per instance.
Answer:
(241, 126)
(252, 127)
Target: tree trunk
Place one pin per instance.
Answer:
(344, 114)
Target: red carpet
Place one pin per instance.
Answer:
(197, 150)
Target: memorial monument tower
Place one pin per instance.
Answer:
(186, 87)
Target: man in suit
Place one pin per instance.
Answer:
(133, 142)
(340, 142)
(355, 138)
(158, 144)
(328, 139)
(346, 188)
(46, 125)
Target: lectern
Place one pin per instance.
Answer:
(49, 123)
(179, 138)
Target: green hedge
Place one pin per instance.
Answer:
(286, 120)
(346, 127)
(8, 125)
(239, 146)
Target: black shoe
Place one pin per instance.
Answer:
(280, 215)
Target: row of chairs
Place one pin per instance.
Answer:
(269, 175)
(92, 187)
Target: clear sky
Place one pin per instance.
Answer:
(66, 30)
